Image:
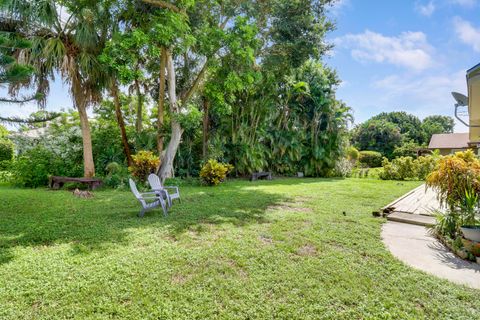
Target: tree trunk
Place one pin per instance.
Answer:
(166, 167)
(139, 122)
(161, 102)
(80, 102)
(206, 105)
(121, 123)
(88, 164)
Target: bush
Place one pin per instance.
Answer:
(144, 163)
(407, 149)
(353, 154)
(456, 175)
(5, 176)
(408, 168)
(117, 175)
(426, 165)
(343, 168)
(214, 172)
(6, 150)
(399, 169)
(370, 159)
(33, 168)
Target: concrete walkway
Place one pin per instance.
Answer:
(415, 247)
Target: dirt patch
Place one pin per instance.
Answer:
(307, 250)
(267, 240)
(179, 279)
(238, 269)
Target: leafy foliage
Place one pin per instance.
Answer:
(399, 169)
(408, 124)
(370, 159)
(403, 168)
(437, 124)
(352, 154)
(213, 172)
(6, 150)
(456, 176)
(144, 163)
(399, 134)
(377, 135)
(34, 167)
(406, 149)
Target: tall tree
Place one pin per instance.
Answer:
(66, 38)
(437, 124)
(377, 135)
(409, 125)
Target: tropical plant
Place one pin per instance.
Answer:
(214, 172)
(66, 37)
(144, 163)
(399, 169)
(455, 175)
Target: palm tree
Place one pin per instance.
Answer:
(66, 39)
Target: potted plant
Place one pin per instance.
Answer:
(456, 180)
(470, 228)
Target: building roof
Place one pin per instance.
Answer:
(473, 68)
(449, 141)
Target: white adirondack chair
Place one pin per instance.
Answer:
(148, 200)
(172, 192)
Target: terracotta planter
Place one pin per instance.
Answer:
(471, 233)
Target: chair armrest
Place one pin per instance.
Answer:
(150, 197)
(150, 192)
(171, 187)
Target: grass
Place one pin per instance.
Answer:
(279, 249)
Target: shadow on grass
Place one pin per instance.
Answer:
(37, 218)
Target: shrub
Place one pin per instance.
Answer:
(343, 168)
(353, 154)
(33, 168)
(5, 176)
(371, 159)
(214, 172)
(144, 163)
(6, 150)
(454, 176)
(117, 175)
(408, 168)
(399, 169)
(426, 165)
(407, 149)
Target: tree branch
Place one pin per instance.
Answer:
(20, 120)
(196, 83)
(22, 100)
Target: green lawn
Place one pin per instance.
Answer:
(280, 249)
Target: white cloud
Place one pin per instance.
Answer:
(467, 33)
(426, 9)
(465, 3)
(409, 49)
(424, 95)
(338, 6)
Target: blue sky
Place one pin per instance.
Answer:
(391, 55)
(404, 55)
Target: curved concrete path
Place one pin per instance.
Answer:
(414, 246)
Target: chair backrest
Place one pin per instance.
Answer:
(155, 182)
(134, 189)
